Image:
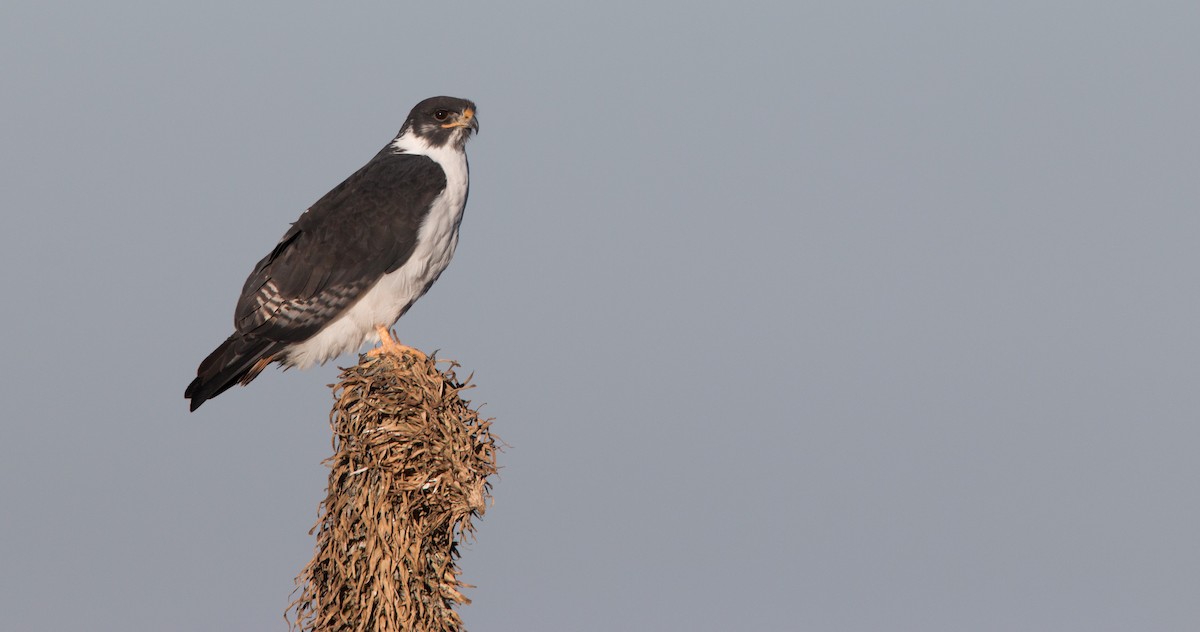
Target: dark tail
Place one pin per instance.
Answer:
(239, 359)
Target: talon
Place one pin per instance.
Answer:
(388, 344)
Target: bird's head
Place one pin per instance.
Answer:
(441, 122)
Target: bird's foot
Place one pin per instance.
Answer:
(388, 344)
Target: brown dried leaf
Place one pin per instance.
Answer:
(408, 475)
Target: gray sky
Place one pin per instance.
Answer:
(843, 316)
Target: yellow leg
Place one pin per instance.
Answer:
(388, 344)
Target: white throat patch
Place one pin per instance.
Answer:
(451, 159)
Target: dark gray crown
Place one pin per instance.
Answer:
(443, 120)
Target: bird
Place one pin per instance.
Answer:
(357, 259)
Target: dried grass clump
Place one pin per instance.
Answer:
(409, 472)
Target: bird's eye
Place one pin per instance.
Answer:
(441, 114)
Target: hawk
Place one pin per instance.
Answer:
(357, 259)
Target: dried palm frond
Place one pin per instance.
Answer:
(408, 474)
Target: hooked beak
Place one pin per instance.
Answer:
(466, 119)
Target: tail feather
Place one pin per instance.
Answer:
(239, 359)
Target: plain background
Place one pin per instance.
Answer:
(796, 316)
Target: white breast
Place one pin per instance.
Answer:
(384, 303)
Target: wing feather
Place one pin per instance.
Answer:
(339, 248)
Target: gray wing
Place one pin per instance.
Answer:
(364, 228)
